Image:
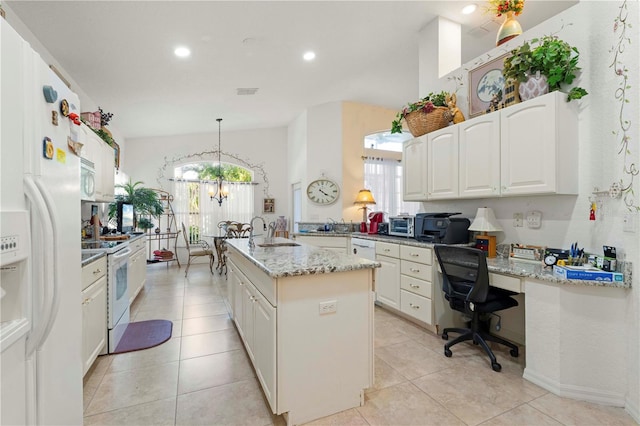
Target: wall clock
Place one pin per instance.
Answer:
(323, 191)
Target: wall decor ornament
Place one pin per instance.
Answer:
(268, 205)
(622, 133)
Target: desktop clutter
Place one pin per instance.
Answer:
(572, 263)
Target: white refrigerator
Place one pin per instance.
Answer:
(41, 317)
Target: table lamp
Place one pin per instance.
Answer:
(485, 221)
(364, 198)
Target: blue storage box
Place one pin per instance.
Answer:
(588, 273)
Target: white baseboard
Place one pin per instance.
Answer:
(633, 409)
(597, 396)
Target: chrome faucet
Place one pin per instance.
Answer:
(272, 231)
(252, 245)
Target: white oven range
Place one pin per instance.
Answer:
(117, 286)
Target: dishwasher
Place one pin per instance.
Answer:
(364, 248)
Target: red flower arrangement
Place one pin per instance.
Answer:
(498, 7)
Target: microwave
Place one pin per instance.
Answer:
(402, 226)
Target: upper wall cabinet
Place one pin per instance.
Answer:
(414, 167)
(539, 146)
(526, 149)
(102, 156)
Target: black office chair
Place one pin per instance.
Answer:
(465, 283)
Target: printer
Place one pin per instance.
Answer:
(441, 228)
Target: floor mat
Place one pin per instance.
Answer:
(143, 335)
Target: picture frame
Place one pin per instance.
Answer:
(269, 205)
(485, 81)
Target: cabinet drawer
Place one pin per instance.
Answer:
(506, 282)
(416, 306)
(416, 270)
(387, 249)
(93, 271)
(414, 285)
(416, 254)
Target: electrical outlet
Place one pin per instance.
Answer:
(534, 219)
(517, 220)
(328, 307)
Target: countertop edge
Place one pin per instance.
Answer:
(308, 259)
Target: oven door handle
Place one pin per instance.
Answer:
(122, 253)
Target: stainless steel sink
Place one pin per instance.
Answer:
(278, 245)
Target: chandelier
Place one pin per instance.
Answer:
(218, 193)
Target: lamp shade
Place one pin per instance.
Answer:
(485, 221)
(364, 197)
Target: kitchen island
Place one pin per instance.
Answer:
(305, 316)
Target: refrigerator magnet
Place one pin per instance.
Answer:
(54, 118)
(50, 94)
(64, 107)
(47, 149)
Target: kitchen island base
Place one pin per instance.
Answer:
(309, 337)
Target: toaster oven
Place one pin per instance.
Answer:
(402, 226)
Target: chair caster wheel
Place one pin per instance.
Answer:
(514, 352)
(445, 336)
(496, 367)
(448, 353)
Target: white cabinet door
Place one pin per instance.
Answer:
(442, 161)
(539, 146)
(137, 273)
(479, 155)
(108, 172)
(414, 169)
(388, 281)
(237, 288)
(94, 321)
(265, 346)
(248, 323)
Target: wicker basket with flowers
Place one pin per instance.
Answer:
(426, 115)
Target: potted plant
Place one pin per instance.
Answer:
(145, 201)
(552, 58)
(426, 115)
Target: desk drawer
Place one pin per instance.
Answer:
(416, 270)
(417, 254)
(414, 285)
(416, 306)
(506, 282)
(387, 249)
(137, 244)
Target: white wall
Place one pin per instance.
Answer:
(151, 160)
(590, 27)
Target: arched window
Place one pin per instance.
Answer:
(194, 184)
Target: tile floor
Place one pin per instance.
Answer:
(202, 375)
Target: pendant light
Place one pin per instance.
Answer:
(219, 194)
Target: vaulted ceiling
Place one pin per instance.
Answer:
(121, 54)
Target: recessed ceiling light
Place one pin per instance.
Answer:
(469, 9)
(182, 52)
(309, 56)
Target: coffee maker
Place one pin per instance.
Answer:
(375, 218)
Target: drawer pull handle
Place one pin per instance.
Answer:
(414, 270)
(414, 286)
(387, 250)
(414, 254)
(414, 306)
(97, 271)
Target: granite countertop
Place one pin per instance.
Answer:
(322, 234)
(88, 258)
(301, 259)
(521, 269)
